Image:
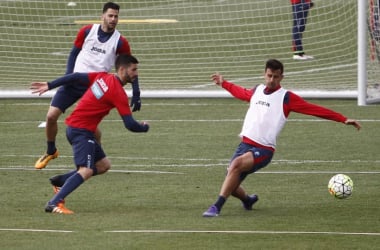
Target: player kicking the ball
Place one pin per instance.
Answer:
(105, 93)
(269, 108)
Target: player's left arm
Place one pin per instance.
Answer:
(132, 125)
(293, 102)
(354, 123)
(124, 48)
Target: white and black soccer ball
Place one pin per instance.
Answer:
(341, 186)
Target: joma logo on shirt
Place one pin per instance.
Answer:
(99, 88)
(263, 103)
(99, 50)
(102, 84)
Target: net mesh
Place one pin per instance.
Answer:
(181, 43)
(373, 72)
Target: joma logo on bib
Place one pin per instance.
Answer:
(99, 50)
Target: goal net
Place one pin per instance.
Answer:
(373, 65)
(181, 43)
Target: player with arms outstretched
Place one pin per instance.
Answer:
(95, 49)
(105, 93)
(270, 105)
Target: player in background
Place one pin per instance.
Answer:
(374, 29)
(270, 105)
(300, 10)
(374, 21)
(95, 49)
(105, 93)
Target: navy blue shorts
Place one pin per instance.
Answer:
(86, 149)
(67, 95)
(262, 157)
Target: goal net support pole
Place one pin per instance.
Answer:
(362, 52)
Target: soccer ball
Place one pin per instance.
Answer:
(340, 186)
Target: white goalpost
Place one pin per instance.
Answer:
(362, 53)
(180, 43)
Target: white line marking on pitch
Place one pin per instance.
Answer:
(217, 161)
(111, 171)
(200, 120)
(241, 232)
(35, 230)
(196, 231)
(167, 172)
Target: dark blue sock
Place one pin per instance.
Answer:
(59, 180)
(220, 202)
(51, 147)
(70, 185)
(246, 199)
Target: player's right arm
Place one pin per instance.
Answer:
(77, 47)
(71, 60)
(235, 90)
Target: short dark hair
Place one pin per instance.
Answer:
(110, 5)
(274, 64)
(125, 60)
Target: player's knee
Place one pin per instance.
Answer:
(85, 172)
(53, 115)
(241, 164)
(103, 166)
(236, 165)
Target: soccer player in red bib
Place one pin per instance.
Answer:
(95, 49)
(104, 92)
(270, 105)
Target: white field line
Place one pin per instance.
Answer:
(20, 168)
(211, 161)
(186, 162)
(35, 230)
(155, 104)
(241, 232)
(199, 120)
(195, 162)
(200, 232)
(240, 120)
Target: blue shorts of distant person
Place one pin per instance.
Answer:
(262, 157)
(67, 95)
(87, 151)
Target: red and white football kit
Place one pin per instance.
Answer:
(105, 93)
(263, 132)
(97, 55)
